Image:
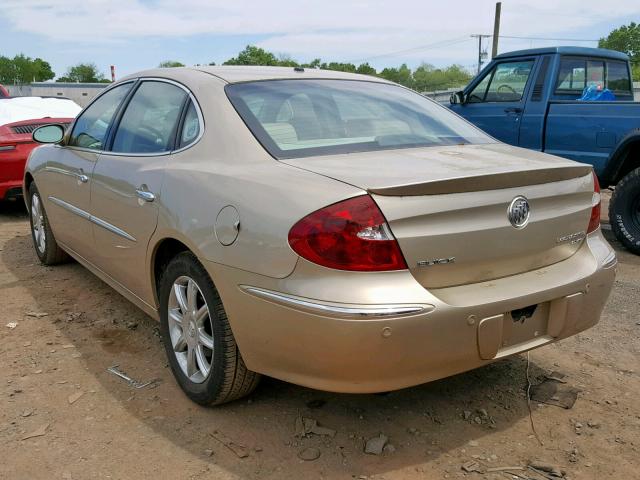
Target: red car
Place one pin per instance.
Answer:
(19, 117)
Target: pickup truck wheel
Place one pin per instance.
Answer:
(624, 211)
(200, 346)
(44, 242)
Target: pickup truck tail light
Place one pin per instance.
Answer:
(594, 221)
(349, 235)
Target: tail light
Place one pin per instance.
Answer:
(349, 235)
(594, 221)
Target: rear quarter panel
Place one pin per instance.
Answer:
(229, 167)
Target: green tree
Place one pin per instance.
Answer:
(83, 73)
(315, 63)
(428, 78)
(22, 69)
(286, 61)
(340, 67)
(401, 75)
(625, 39)
(366, 69)
(170, 64)
(253, 55)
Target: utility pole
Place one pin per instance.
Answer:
(481, 54)
(496, 30)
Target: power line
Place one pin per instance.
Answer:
(454, 41)
(481, 54)
(552, 39)
(442, 43)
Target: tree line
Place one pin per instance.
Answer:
(22, 69)
(426, 77)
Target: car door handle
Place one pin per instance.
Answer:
(81, 176)
(513, 110)
(145, 194)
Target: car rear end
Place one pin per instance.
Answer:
(453, 251)
(15, 146)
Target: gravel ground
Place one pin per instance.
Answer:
(70, 327)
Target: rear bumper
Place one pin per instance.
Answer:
(11, 189)
(352, 332)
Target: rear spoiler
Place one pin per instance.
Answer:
(492, 181)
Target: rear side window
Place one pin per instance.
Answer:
(90, 128)
(149, 122)
(576, 74)
(190, 126)
(618, 79)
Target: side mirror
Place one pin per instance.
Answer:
(48, 133)
(457, 98)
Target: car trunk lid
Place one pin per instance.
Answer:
(448, 207)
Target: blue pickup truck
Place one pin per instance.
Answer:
(534, 99)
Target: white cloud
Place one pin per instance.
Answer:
(351, 30)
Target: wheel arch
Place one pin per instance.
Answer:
(26, 184)
(625, 158)
(162, 252)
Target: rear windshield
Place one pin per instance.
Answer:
(302, 118)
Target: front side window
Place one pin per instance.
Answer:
(505, 83)
(301, 118)
(149, 122)
(90, 128)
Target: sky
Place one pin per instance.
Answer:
(138, 34)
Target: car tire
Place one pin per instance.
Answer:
(624, 211)
(44, 241)
(209, 376)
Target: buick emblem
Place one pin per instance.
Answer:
(518, 212)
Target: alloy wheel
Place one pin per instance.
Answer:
(190, 329)
(37, 222)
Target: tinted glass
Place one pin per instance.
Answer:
(150, 119)
(577, 73)
(572, 75)
(190, 127)
(91, 126)
(299, 118)
(480, 91)
(595, 73)
(505, 83)
(618, 78)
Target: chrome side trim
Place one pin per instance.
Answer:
(112, 228)
(71, 208)
(93, 219)
(339, 310)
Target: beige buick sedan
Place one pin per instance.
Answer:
(332, 230)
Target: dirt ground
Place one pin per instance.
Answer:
(71, 327)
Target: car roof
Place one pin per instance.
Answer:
(579, 51)
(241, 73)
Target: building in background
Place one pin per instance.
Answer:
(81, 93)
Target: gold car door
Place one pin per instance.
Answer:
(69, 172)
(127, 183)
